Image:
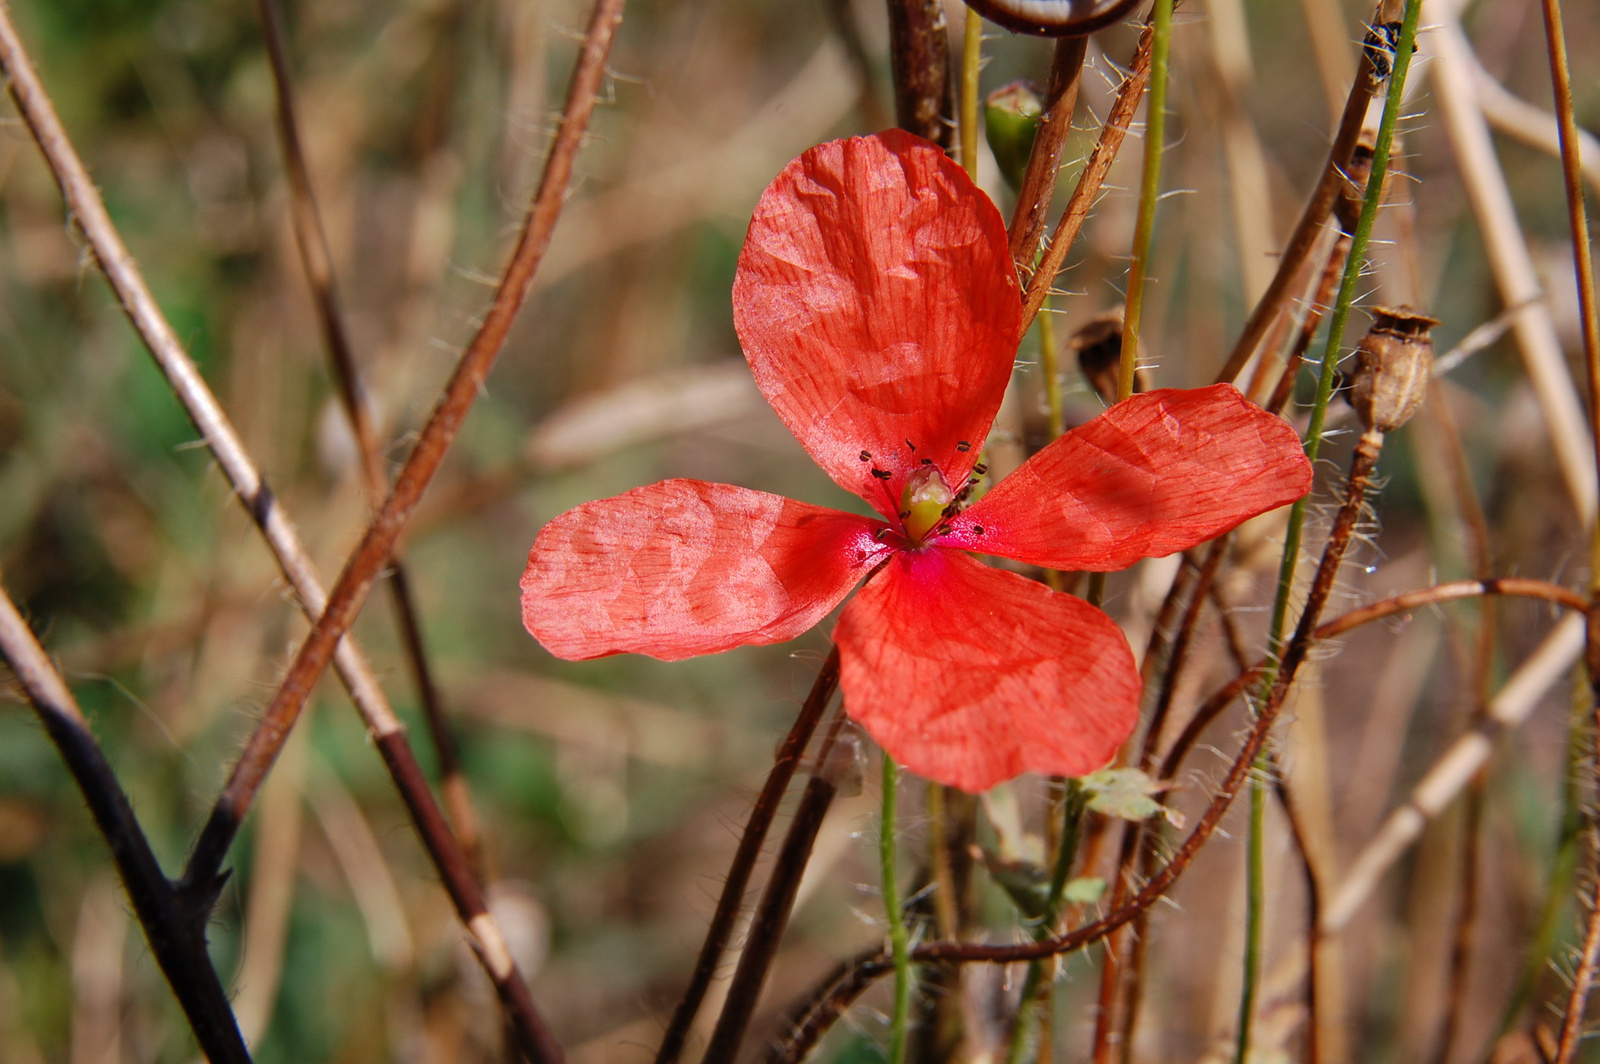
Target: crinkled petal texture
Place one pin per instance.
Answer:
(1154, 474)
(970, 675)
(684, 567)
(878, 307)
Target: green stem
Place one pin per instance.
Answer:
(899, 938)
(971, 63)
(1072, 805)
(1292, 535)
(1052, 371)
(1149, 191)
(1563, 867)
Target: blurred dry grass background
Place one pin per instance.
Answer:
(611, 791)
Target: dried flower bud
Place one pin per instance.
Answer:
(1098, 348)
(1393, 363)
(842, 767)
(1353, 192)
(1011, 117)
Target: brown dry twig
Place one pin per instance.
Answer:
(1044, 161)
(197, 891)
(465, 384)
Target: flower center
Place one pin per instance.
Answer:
(924, 502)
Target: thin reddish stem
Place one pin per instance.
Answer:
(1044, 161)
(316, 259)
(1090, 181)
(1316, 212)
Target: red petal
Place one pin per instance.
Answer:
(970, 675)
(684, 567)
(877, 304)
(1154, 474)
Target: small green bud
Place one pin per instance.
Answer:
(1011, 118)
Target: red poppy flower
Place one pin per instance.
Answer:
(879, 311)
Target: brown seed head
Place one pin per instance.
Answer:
(1393, 363)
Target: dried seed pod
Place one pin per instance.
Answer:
(1054, 18)
(1011, 117)
(1097, 345)
(1393, 363)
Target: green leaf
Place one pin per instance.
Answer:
(1085, 890)
(1124, 793)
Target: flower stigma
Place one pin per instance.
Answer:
(924, 502)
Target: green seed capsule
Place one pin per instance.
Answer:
(1011, 117)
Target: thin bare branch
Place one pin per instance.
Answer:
(744, 859)
(1317, 211)
(178, 946)
(123, 274)
(1509, 256)
(1583, 977)
(1090, 181)
(465, 384)
(316, 259)
(1044, 161)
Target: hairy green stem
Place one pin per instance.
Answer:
(899, 938)
(971, 63)
(1149, 191)
(1052, 371)
(1072, 806)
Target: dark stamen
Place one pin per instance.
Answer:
(881, 474)
(911, 445)
(927, 461)
(866, 456)
(980, 469)
(963, 446)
